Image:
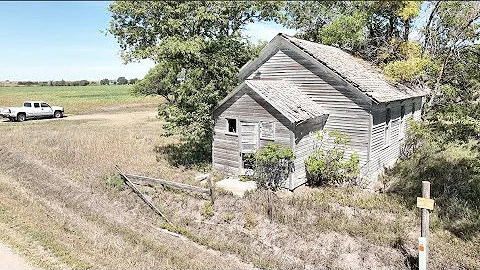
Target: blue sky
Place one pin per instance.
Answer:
(62, 40)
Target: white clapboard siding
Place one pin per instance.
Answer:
(303, 148)
(385, 155)
(347, 111)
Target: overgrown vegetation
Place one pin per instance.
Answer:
(454, 172)
(272, 165)
(329, 164)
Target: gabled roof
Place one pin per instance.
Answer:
(284, 97)
(357, 72)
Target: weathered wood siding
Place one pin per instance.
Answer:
(383, 155)
(348, 110)
(226, 147)
(303, 147)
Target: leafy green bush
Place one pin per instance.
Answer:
(415, 137)
(272, 165)
(328, 165)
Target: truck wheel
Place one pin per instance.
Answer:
(58, 114)
(21, 117)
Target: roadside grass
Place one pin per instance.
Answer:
(76, 99)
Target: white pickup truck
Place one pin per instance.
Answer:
(32, 109)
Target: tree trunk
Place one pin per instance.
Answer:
(406, 32)
(427, 27)
(440, 77)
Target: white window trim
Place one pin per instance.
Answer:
(236, 128)
(273, 129)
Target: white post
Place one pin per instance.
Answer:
(422, 253)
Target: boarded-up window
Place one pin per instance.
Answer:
(267, 130)
(232, 125)
(388, 126)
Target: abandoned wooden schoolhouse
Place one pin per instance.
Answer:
(297, 87)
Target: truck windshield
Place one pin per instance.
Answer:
(27, 104)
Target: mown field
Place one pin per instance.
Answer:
(62, 205)
(75, 99)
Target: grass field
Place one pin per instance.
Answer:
(62, 205)
(75, 99)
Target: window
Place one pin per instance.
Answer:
(413, 109)
(232, 125)
(401, 130)
(36, 105)
(27, 104)
(267, 130)
(44, 105)
(388, 118)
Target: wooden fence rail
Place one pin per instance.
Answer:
(142, 179)
(144, 198)
(167, 183)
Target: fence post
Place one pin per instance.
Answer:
(210, 186)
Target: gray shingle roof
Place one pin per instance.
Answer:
(287, 99)
(356, 71)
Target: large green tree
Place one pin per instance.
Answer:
(371, 29)
(198, 49)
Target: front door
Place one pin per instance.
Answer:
(46, 110)
(249, 141)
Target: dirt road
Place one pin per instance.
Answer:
(10, 260)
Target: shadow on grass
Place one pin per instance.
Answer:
(188, 154)
(410, 261)
(454, 174)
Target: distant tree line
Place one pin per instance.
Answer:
(119, 81)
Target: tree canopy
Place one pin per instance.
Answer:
(198, 49)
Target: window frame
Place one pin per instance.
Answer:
(273, 130)
(227, 131)
(387, 128)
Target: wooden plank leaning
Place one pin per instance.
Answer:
(141, 195)
(210, 191)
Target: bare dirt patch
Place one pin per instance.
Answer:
(10, 260)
